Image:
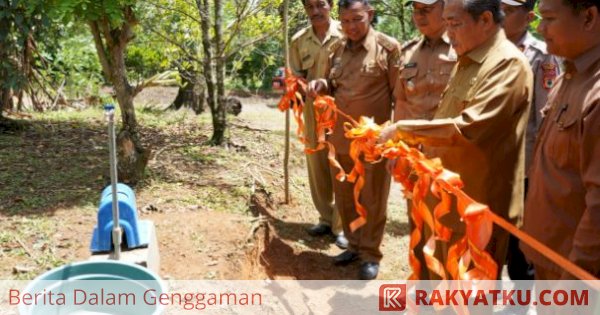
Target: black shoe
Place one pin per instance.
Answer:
(319, 230)
(345, 258)
(341, 241)
(368, 271)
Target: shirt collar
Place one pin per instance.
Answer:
(479, 54)
(369, 42)
(333, 31)
(587, 59)
(424, 41)
(525, 41)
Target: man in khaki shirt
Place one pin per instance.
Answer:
(545, 67)
(563, 203)
(308, 59)
(427, 62)
(363, 72)
(479, 128)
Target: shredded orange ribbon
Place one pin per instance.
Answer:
(408, 161)
(326, 113)
(364, 136)
(471, 248)
(479, 219)
(292, 98)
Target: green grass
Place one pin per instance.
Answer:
(60, 163)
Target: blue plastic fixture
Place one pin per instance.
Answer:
(136, 232)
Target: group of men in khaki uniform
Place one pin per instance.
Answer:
(475, 94)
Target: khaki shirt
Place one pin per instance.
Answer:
(545, 69)
(424, 74)
(479, 128)
(563, 203)
(362, 79)
(308, 59)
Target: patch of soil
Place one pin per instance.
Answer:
(218, 212)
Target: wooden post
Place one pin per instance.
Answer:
(286, 158)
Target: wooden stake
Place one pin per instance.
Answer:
(286, 158)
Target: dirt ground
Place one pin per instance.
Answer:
(218, 211)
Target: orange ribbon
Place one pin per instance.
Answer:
(363, 136)
(478, 218)
(470, 248)
(409, 161)
(326, 116)
(292, 98)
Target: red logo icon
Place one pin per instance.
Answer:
(392, 297)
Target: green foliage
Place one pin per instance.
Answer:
(143, 60)
(72, 59)
(92, 10)
(20, 21)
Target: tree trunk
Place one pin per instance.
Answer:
(133, 157)
(220, 119)
(191, 93)
(203, 11)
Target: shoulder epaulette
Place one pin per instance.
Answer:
(300, 33)
(539, 45)
(336, 45)
(411, 43)
(387, 42)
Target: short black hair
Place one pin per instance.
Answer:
(328, 1)
(476, 8)
(345, 4)
(578, 5)
(529, 5)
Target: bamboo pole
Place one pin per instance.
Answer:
(286, 158)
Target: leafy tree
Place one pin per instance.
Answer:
(21, 22)
(112, 23)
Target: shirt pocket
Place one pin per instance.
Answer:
(307, 60)
(562, 141)
(334, 75)
(458, 99)
(408, 78)
(371, 71)
(444, 74)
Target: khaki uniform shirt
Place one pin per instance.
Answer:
(362, 79)
(563, 203)
(479, 128)
(309, 59)
(424, 73)
(545, 69)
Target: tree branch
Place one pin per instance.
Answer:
(101, 50)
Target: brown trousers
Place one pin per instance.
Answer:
(319, 177)
(374, 196)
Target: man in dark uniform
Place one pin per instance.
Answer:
(363, 72)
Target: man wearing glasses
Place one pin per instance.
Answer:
(478, 130)
(427, 62)
(545, 67)
(363, 72)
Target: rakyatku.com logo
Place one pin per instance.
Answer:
(392, 297)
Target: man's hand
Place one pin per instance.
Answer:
(317, 87)
(388, 133)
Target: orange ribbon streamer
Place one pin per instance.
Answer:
(408, 161)
(292, 98)
(326, 116)
(471, 248)
(479, 219)
(364, 136)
